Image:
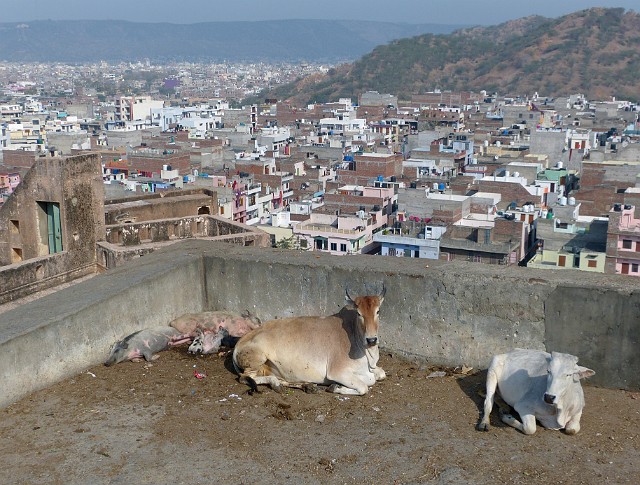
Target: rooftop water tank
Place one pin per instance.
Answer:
(441, 186)
(562, 200)
(435, 185)
(559, 165)
(572, 200)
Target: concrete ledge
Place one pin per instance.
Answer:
(37, 274)
(446, 313)
(66, 332)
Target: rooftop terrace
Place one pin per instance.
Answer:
(449, 313)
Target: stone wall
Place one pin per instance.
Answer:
(445, 313)
(448, 313)
(125, 242)
(165, 205)
(74, 186)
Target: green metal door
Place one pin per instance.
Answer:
(54, 227)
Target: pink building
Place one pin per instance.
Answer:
(340, 234)
(623, 241)
(8, 183)
(239, 206)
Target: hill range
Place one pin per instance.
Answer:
(270, 41)
(595, 52)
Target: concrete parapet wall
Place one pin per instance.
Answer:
(445, 313)
(125, 242)
(37, 274)
(64, 333)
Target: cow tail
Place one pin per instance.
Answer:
(235, 364)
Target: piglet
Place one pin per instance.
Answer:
(142, 344)
(209, 341)
(237, 325)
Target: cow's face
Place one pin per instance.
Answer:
(562, 372)
(368, 309)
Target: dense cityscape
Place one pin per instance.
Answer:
(437, 260)
(485, 177)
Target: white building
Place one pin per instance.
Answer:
(131, 108)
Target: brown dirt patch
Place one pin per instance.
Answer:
(150, 423)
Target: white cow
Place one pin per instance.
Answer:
(538, 385)
(340, 350)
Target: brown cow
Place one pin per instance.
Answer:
(340, 350)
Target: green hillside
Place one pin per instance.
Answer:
(595, 52)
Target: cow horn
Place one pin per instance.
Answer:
(384, 291)
(348, 296)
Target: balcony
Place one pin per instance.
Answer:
(320, 229)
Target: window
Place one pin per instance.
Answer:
(334, 246)
(592, 263)
(322, 244)
(562, 261)
(634, 267)
(626, 244)
(303, 243)
(343, 248)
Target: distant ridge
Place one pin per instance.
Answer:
(595, 52)
(282, 40)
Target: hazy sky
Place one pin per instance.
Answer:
(484, 12)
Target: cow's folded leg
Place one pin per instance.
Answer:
(353, 386)
(527, 426)
(573, 426)
(254, 381)
(379, 373)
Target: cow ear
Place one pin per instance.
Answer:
(583, 372)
